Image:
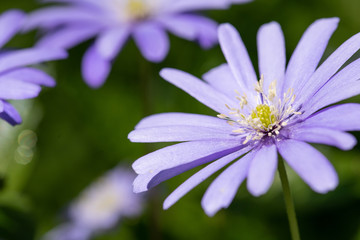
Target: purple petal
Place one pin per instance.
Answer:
(183, 119)
(200, 176)
(262, 170)
(192, 27)
(198, 89)
(55, 16)
(68, 36)
(148, 180)
(343, 85)
(30, 56)
(177, 134)
(180, 154)
(330, 67)
(272, 56)
(111, 41)
(30, 75)
(9, 113)
(152, 41)
(95, 68)
(16, 89)
(223, 189)
(10, 23)
(237, 57)
(222, 79)
(344, 117)
(310, 164)
(342, 140)
(308, 53)
(191, 5)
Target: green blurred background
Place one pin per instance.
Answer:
(77, 133)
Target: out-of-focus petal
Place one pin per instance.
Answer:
(95, 68)
(342, 140)
(237, 56)
(223, 189)
(10, 23)
(344, 117)
(68, 36)
(182, 119)
(191, 5)
(16, 89)
(272, 55)
(111, 41)
(30, 75)
(21, 58)
(9, 113)
(262, 170)
(308, 53)
(55, 16)
(152, 41)
(309, 164)
(177, 134)
(198, 89)
(192, 27)
(200, 176)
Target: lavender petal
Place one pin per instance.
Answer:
(198, 89)
(310, 164)
(223, 189)
(152, 41)
(237, 57)
(95, 68)
(272, 55)
(10, 23)
(200, 176)
(262, 170)
(342, 140)
(308, 53)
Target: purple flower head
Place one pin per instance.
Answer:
(17, 81)
(100, 207)
(112, 22)
(107, 200)
(256, 119)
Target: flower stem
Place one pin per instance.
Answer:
(289, 203)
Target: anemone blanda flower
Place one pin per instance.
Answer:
(17, 81)
(113, 21)
(100, 207)
(256, 119)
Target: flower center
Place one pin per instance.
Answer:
(270, 114)
(264, 114)
(136, 9)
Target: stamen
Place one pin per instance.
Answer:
(267, 118)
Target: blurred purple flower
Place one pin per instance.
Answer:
(257, 119)
(16, 80)
(112, 22)
(100, 207)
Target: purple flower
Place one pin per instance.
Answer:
(16, 80)
(112, 22)
(257, 119)
(100, 207)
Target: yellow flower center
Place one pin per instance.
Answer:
(267, 119)
(264, 114)
(136, 9)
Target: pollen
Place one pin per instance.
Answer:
(137, 9)
(264, 114)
